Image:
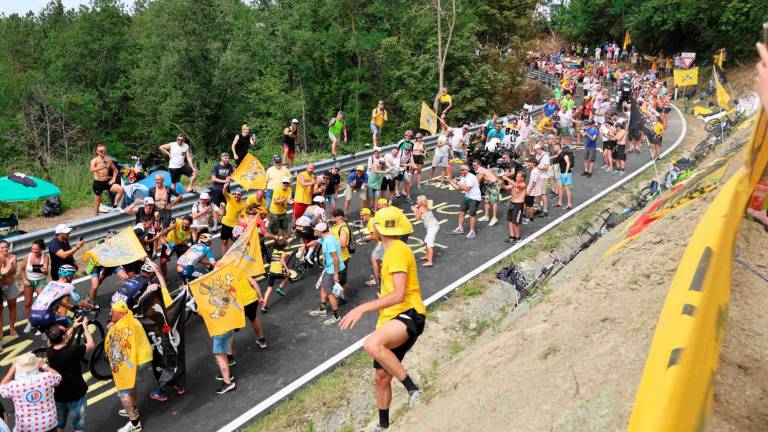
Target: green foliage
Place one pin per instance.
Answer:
(702, 26)
(132, 79)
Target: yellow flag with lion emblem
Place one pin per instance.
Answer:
(219, 299)
(127, 347)
(250, 174)
(428, 119)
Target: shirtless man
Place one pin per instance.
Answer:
(491, 192)
(100, 167)
(165, 198)
(516, 205)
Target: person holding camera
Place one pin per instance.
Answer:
(490, 191)
(472, 198)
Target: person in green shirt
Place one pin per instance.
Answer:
(337, 127)
(567, 102)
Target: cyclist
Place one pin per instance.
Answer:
(131, 290)
(306, 223)
(277, 271)
(51, 305)
(201, 252)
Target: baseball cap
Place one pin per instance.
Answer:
(382, 201)
(321, 227)
(318, 199)
(365, 211)
(63, 229)
(360, 168)
(285, 179)
(149, 200)
(224, 154)
(238, 190)
(277, 159)
(377, 149)
(205, 196)
(294, 121)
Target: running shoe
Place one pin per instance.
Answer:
(510, 240)
(158, 395)
(232, 361)
(224, 387)
(28, 327)
(458, 231)
(280, 292)
(180, 389)
(221, 378)
(261, 342)
(129, 427)
(414, 398)
(265, 309)
(494, 221)
(123, 413)
(484, 218)
(527, 221)
(397, 194)
(318, 312)
(332, 320)
(471, 235)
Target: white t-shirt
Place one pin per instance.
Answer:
(393, 166)
(457, 140)
(178, 155)
(202, 221)
(474, 191)
(442, 151)
(543, 160)
(566, 119)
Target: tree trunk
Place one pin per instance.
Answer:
(442, 52)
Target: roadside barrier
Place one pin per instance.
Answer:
(677, 385)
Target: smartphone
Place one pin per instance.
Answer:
(82, 238)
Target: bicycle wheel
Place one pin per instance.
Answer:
(97, 332)
(98, 363)
(712, 125)
(296, 269)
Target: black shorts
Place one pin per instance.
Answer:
(178, 250)
(469, 206)
(251, 309)
(226, 232)
(165, 217)
(388, 184)
(306, 233)
(609, 145)
(217, 196)
(176, 173)
(418, 159)
(515, 213)
(634, 134)
(529, 200)
(621, 153)
(343, 273)
(99, 187)
(414, 323)
(274, 277)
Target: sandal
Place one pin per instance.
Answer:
(568, 207)
(556, 205)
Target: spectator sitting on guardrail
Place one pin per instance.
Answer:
(180, 161)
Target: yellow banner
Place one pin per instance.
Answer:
(218, 296)
(676, 388)
(250, 174)
(723, 98)
(627, 40)
(428, 119)
(686, 77)
(649, 58)
(127, 347)
(123, 248)
(245, 253)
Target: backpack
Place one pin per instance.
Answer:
(350, 241)
(514, 277)
(52, 206)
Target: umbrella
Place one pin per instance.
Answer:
(20, 187)
(149, 182)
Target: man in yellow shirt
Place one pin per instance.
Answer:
(274, 175)
(445, 100)
(278, 209)
(401, 313)
(176, 241)
(302, 198)
(235, 205)
(341, 230)
(378, 117)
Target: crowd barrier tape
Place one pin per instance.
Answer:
(677, 386)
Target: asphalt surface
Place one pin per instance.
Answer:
(297, 341)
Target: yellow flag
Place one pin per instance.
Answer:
(250, 174)
(686, 77)
(218, 296)
(720, 57)
(127, 347)
(245, 253)
(723, 98)
(428, 119)
(627, 39)
(123, 248)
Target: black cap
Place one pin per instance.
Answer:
(338, 212)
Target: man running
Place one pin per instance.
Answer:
(180, 161)
(290, 140)
(242, 143)
(337, 127)
(378, 118)
(101, 166)
(401, 314)
(329, 282)
(302, 197)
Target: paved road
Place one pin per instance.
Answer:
(298, 342)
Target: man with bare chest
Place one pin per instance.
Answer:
(101, 166)
(491, 191)
(517, 188)
(165, 198)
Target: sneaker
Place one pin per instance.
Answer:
(332, 320)
(221, 378)
(458, 231)
(527, 221)
(28, 327)
(232, 362)
(280, 292)
(471, 235)
(510, 240)
(494, 221)
(123, 413)
(158, 395)
(318, 312)
(224, 387)
(418, 188)
(409, 200)
(484, 218)
(544, 214)
(397, 194)
(261, 342)
(129, 427)
(584, 173)
(265, 309)
(414, 398)
(180, 389)
(589, 174)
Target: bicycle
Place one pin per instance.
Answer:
(78, 337)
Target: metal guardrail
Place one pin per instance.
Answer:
(96, 227)
(544, 77)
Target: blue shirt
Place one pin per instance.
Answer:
(356, 181)
(592, 132)
(330, 245)
(495, 134)
(550, 109)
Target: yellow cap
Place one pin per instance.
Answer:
(391, 221)
(382, 201)
(360, 168)
(365, 211)
(120, 307)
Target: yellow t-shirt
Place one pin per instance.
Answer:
(446, 99)
(378, 118)
(178, 235)
(658, 129)
(248, 295)
(261, 204)
(303, 193)
(544, 122)
(233, 209)
(398, 258)
(275, 265)
(275, 176)
(336, 230)
(371, 229)
(279, 194)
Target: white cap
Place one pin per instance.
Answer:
(377, 148)
(294, 121)
(149, 200)
(63, 229)
(318, 199)
(205, 196)
(321, 227)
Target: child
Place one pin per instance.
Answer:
(278, 271)
(423, 213)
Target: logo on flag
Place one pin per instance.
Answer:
(123, 248)
(127, 347)
(686, 77)
(250, 174)
(428, 119)
(218, 296)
